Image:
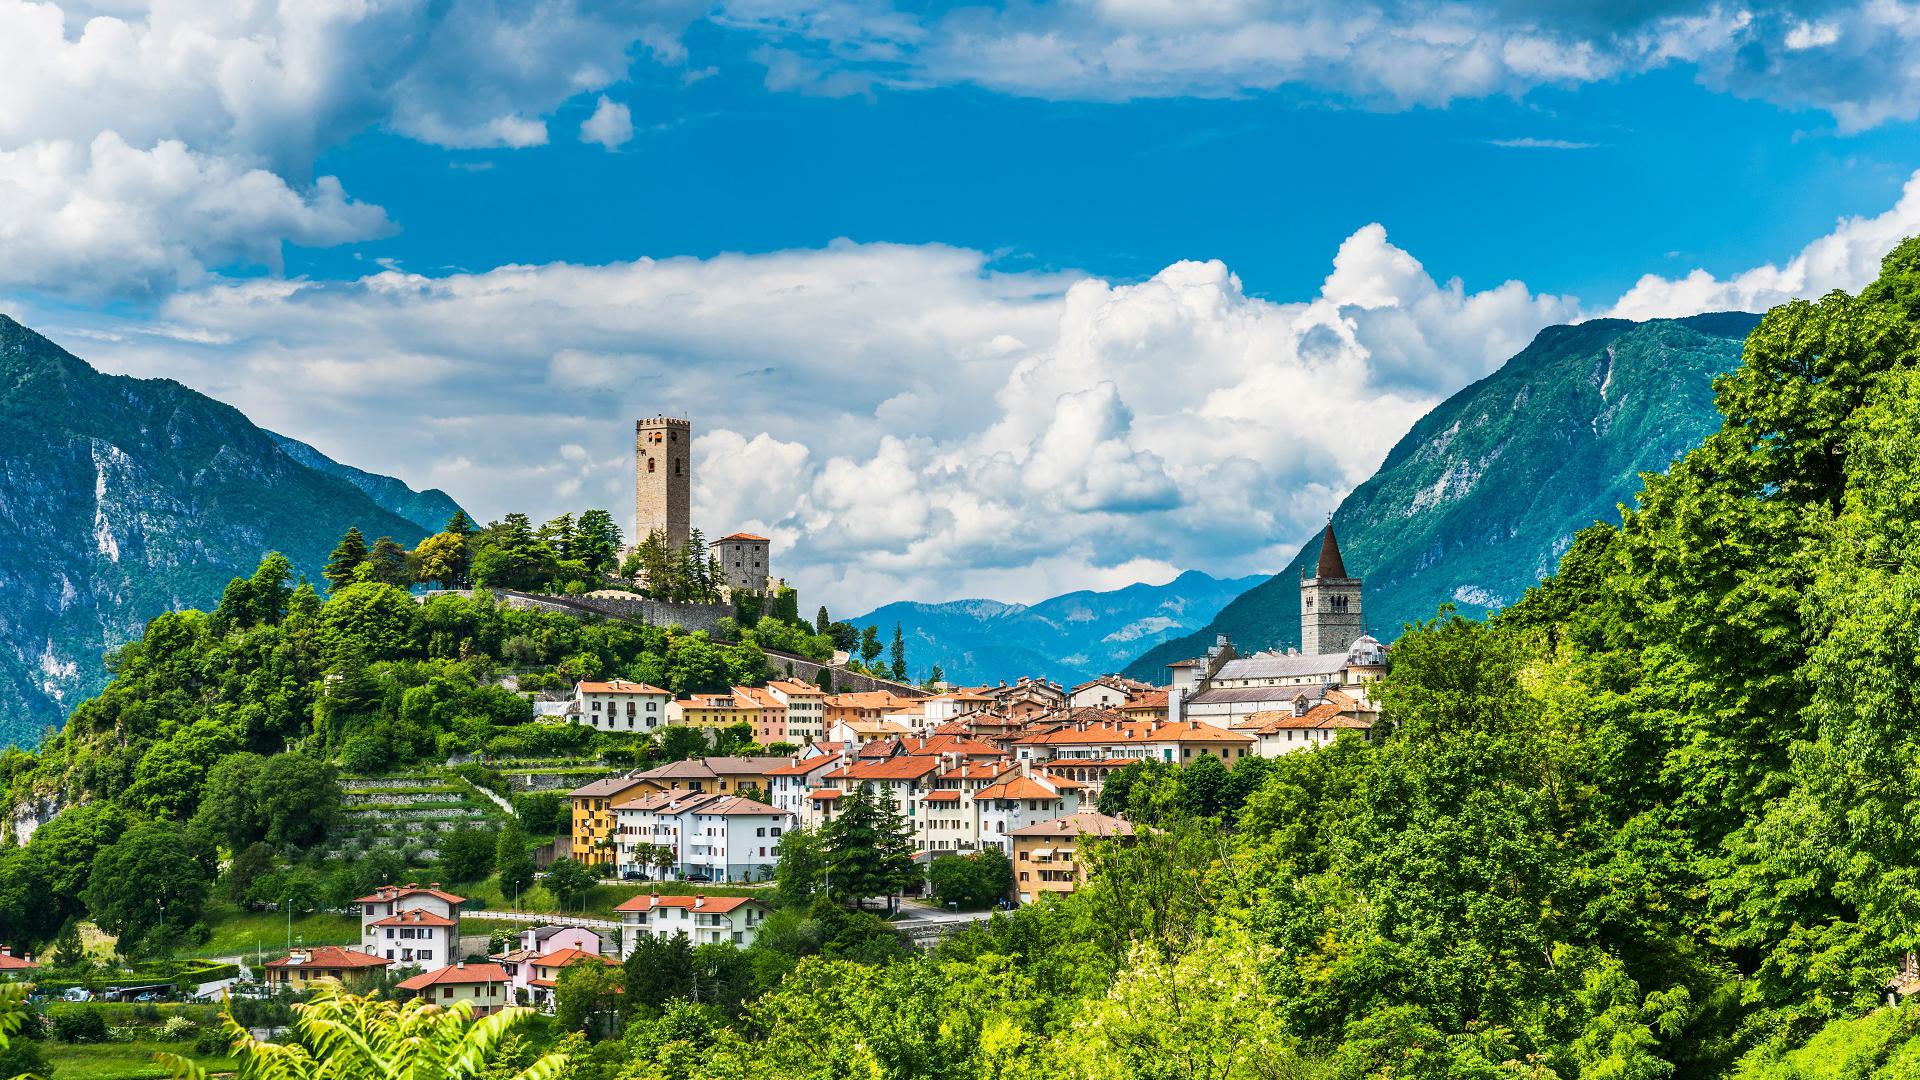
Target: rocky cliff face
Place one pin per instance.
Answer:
(122, 498)
(1482, 497)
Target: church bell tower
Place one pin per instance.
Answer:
(1330, 616)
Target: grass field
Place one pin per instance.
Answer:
(121, 1061)
(239, 933)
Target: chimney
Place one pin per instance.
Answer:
(699, 900)
(459, 965)
(413, 884)
(6, 950)
(433, 884)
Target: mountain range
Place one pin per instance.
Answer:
(1480, 499)
(1066, 638)
(122, 498)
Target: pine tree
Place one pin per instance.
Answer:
(899, 653)
(820, 620)
(346, 559)
(558, 534)
(460, 525)
(869, 847)
(596, 540)
(388, 561)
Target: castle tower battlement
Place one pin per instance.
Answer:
(663, 479)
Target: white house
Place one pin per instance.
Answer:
(946, 818)
(650, 830)
(410, 925)
(788, 785)
(733, 839)
(1105, 692)
(620, 706)
(1019, 799)
(806, 707)
(704, 919)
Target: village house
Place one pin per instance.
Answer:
(619, 705)
(865, 731)
(546, 971)
(864, 705)
(732, 839)
(806, 711)
(300, 969)
(900, 778)
(409, 925)
(1046, 854)
(1302, 728)
(538, 941)
(948, 821)
(1105, 692)
(593, 837)
(789, 784)
(486, 987)
(1148, 705)
(703, 919)
(15, 967)
(711, 711)
(1021, 798)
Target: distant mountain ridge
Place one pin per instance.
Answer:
(1479, 500)
(122, 498)
(1067, 638)
(428, 509)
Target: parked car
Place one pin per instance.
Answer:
(77, 993)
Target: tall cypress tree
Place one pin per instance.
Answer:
(899, 654)
(869, 847)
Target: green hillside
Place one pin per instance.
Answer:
(123, 498)
(1481, 498)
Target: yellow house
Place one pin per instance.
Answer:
(300, 969)
(1047, 858)
(487, 987)
(593, 819)
(716, 711)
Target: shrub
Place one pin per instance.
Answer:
(77, 1023)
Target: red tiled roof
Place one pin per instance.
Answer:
(744, 536)
(387, 893)
(414, 917)
(621, 686)
(896, 768)
(10, 962)
(805, 765)
(826, 793)
(948, 795)
(562, 957)
(454, 974)
(328, 957)
(717, 904)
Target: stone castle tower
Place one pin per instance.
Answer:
(663, 475)
(1330, 616)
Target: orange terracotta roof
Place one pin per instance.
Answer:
(386, 893)
(744, 536)
(414, 917)
(10, 962)
(716, 904)
(1191, 731)
(329, 957)
(944, 795)
(1027, 787)
(895, 768)
(562, 957)
(804, 766)
(621, 686)
(826, 793)
(454, 974)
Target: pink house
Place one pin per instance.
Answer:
(534, 943)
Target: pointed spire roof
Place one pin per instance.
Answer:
(1330, 564)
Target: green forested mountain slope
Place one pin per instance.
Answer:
(1480, 499)
(122, 498)
(428, 509)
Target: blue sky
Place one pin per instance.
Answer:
(995, 300)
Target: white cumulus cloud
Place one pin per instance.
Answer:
(611, 124)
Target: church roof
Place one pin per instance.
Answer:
(1330, 565)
